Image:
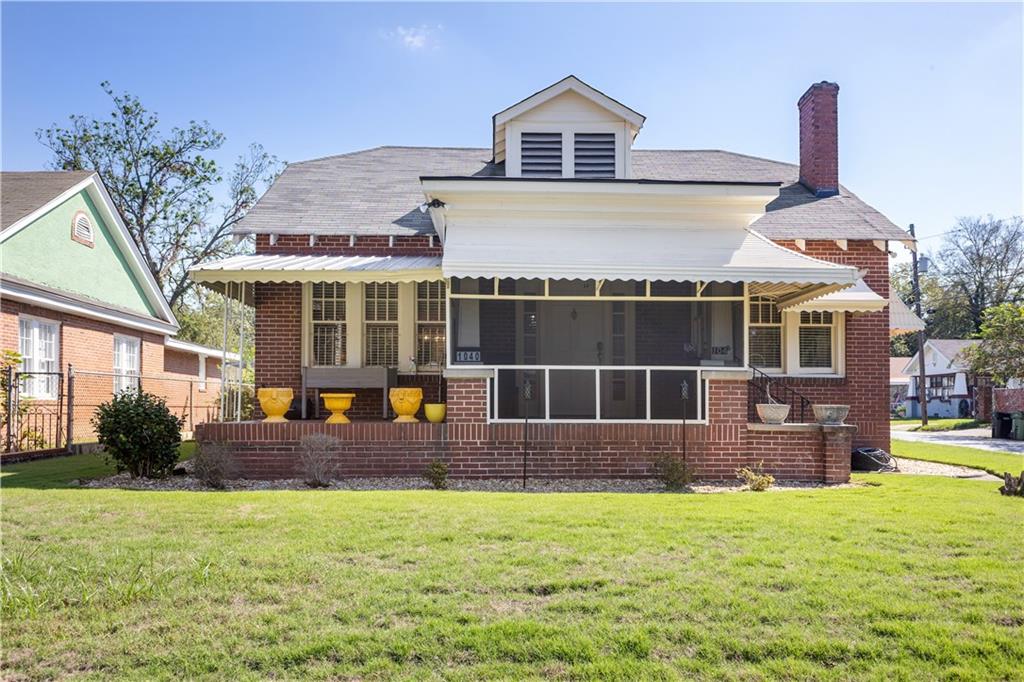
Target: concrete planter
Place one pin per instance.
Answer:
(772, 413)
(831, 415)
(405, 402)
(275, 402)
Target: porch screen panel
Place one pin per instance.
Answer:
(329, 329)
(666, 394)
(520, 394)
(381, 324)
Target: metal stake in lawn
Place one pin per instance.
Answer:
(527, 391)
(684, 395)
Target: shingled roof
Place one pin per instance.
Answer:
(377, 192)
(21, 193)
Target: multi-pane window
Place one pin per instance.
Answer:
(816, 340)
(40, 348)
(126, 363)
(941, 386)
(381, 315)
(328, 305)
(765, 333)
(430, 312)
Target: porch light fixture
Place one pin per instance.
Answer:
(433, 203)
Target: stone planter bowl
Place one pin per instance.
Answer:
(405, 402)
(275, 402)
(831, 415)
(772, 413)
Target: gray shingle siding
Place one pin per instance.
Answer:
(378, 192)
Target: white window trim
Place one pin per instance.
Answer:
(57, 349)
(791, 346)
(782, 337)
(306, 336)
(202, 373)
(138, 356)
(429, 369)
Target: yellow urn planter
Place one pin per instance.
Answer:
(435, 412)
(405, 402)
(275, 402)
(338, 404)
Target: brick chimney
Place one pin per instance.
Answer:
(819, 139)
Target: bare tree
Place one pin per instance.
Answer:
(162, 184)
(983, 260)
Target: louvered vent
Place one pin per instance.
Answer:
(82, 227)
(541, 155)
(595, 155)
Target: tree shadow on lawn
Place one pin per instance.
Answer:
(64, 471)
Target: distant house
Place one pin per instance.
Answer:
(76, 293)
(899, 384)
(950, 387)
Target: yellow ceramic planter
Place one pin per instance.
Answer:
(405, 402)
(338, 404)
(275, 402)
(435, 412)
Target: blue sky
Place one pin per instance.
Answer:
(930, 101)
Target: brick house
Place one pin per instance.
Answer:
(75, 292)
(564, 278)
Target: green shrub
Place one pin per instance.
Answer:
(437, 474)
(139, 433)
(673, 472)
(213, 464)
(756, 479)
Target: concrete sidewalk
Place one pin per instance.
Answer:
(970, 438)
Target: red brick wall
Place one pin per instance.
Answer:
(865, 388)
(338, 245)
(1009, 400)
(475, 449)
(279, 335)
(88, 345)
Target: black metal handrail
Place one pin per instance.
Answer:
(763, 388)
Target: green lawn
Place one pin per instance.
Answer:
(905, 577)
(994, 462)
(936, 424)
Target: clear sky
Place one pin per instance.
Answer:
(930, 101)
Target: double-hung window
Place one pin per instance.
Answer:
(816, 337)
(126, 363)
(329, 346)
(381, 314)
(39, 345)
(430, 312)
(765, 333)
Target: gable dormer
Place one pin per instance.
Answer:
(567, 130)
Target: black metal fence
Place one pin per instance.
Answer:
(35, 415)
(52, 411)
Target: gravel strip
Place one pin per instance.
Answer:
(917, 466)
(533, 485)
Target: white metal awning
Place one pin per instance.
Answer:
(902, 319)
(856, 299)
(238, 273)
(633, 253)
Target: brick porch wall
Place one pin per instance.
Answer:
(475, 449)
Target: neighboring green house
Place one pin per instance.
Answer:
(75, 290)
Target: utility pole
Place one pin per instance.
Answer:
(922, 388)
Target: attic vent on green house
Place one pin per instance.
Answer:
(541, 155)
(81, 227)
(595, 155)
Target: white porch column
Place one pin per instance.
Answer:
(406, 325)
(354, 329)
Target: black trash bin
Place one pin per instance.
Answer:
(1002, 424)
